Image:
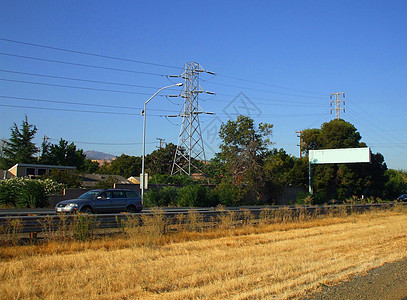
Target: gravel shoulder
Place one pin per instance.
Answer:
(386, 282)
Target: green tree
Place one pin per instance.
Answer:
(45, 148)
(278, 167)
(63, 154)
(177, 179)
(68, 178)
(216, 169)
(160, 161)
(332, 135)
(341, 181)
(106, 184)
(89, 166)
(20, 147)
(299, 172)
(396, 183)
(124, 165)
(243, 149)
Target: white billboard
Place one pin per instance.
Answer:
(339, 156)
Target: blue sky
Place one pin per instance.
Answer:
(280, 59)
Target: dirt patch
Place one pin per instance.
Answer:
(386, 282)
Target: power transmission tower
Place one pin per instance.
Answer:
(337, 102)
(190, 148)
(300, 144)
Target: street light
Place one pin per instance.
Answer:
(144, 137)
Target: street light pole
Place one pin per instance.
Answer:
(142, 179)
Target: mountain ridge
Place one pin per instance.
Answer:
(97, 155)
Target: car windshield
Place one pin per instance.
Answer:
(89, 195)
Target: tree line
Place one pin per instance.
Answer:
(246, 170)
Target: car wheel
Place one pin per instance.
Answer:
(86, 210)
(131, 209)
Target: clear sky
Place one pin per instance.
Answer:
(276, 61)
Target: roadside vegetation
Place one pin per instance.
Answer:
(280, 254)
(246, 171)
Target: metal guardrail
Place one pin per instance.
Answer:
(36, 223)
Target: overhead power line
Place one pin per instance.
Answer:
(260, 90)
(79, 103)
(141, 86)
(140, 62)
(153, 115)
(276, 115)
(80, 65)
(106, 144)
(89, 53)
(76, 110)
(284, 102)
(268, 84)
(266, 101)
(75, 87)
(78, 79)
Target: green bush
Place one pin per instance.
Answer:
(32, 195)
(229, 194)
(68, 178)
(106, 184)
(167, 196)
(195, 195)
(151, 198)
(7, 195)
(304, 198)
(177, 179)
(24, 192)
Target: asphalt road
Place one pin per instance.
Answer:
(388, 282)
(51, 211)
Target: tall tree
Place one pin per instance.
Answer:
(277, 167)
(20, 147)
(332, 135)
(160, 161)
(341, 181)
(244, 148)
(123, 165)
(64, 154)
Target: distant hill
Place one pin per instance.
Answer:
(98, 155)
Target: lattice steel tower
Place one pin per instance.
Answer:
(337, 102)
(190, 148)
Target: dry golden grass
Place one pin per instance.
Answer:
(271, 261)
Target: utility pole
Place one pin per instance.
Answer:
(190, 147)
(162, 141)
(300, 144)
(337, 102)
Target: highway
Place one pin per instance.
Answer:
(32, 220)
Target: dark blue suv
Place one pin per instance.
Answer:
(402, 197)
(103, 201)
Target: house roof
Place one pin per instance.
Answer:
(42, 166)
(89, 180)
(98, 177)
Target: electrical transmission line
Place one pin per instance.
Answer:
(337, 102)
(87, 53)
(190, 148)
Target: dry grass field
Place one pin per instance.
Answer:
(270, 261)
